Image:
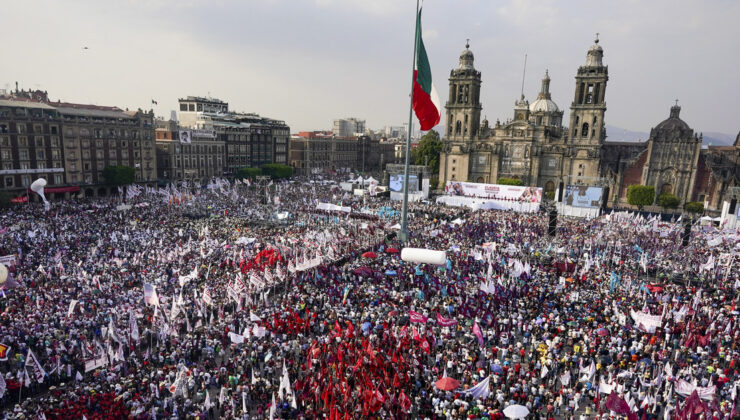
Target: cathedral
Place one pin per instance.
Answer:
(536, 148)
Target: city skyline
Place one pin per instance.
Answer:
(335, 59)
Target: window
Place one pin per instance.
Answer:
(99, 154)
(7, 166)
(24, 165)
(5, 154)
(25, 180)
(8, 181)
(85, 154)
(72, 166)
(40, 154)
(86, 166)
(39, 141)
(37, 128)
(191, 107)
(112, 154)
(183, 107)
(4, 141)
(590, 94)
(584, 130)
(22, 142)
(23, 154)
(41, 165)
(54, 129)
(58, 179)
(54, 141)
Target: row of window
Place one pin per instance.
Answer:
(26, 180)
(39, 141)
(72, 143)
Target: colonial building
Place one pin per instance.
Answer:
(536, 148)
(70, 144)
(188, 154)
(250, 140)
(316, 151)
(533, 146)
(669, 161)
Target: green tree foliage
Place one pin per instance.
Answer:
(427, 152)
(245, 173)
(668, 201)
(694, 207)
(277, 170)
(640, 195)
(550, 195)
(119, 175)
(509, 181)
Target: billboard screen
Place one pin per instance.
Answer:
(494, 191)
(583, 196)
(395, 183)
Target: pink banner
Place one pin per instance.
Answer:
(445, 322)
(417, 317)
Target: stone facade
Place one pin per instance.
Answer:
(69, 144)
(534, 146)
(315, 151)
(199, 161)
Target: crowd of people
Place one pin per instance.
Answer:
(247, 301)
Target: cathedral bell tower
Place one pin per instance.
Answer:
(463, 105)
(587, 130)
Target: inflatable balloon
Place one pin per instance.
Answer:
(3, 273)
(38, 186)
(426, 256)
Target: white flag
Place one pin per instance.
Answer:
(72, 305)
(38, 370)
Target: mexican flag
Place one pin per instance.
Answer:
(426, 101)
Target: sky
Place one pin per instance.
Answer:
(310, 61)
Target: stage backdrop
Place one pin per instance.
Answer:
(494, 191)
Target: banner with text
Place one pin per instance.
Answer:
(494, 191)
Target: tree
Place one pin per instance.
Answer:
(244, 173)
(694, 207)
(640, 195)
(277, 170)
(550, 195)
(119, 175)
(668, 201)
(509, 181)
(427, 152)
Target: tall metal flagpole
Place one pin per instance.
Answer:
(403, 234)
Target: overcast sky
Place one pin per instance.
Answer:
(310, 61)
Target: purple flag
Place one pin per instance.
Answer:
(478, 333)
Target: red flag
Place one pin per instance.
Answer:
(405, 401)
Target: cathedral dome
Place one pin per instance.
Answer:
(673, 122)
(543, 105)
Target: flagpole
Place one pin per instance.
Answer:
(403, 234)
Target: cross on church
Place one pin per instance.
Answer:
(467, 42)
(597, 37)
(676, 102)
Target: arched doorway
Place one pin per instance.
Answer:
(666, 189)
(480, 180)
(549, 186)
(102, 192)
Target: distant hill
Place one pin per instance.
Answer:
(621, 134)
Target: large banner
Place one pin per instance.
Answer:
(583, 196)
(494, 191)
